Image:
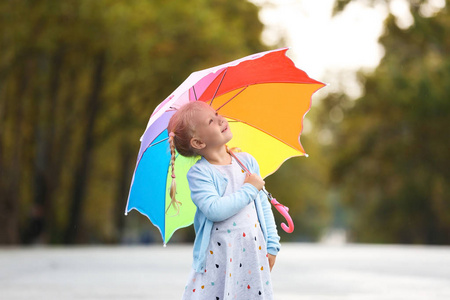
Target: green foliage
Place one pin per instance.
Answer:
(340, 5)
(391, 152)
(300, 184)
(78, 82)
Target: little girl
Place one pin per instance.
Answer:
(236, 239)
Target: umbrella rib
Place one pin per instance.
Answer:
(157, 142)
(263, 131)
(232, 98)
(220, 83)
(195, 94)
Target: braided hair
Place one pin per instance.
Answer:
(181, 131)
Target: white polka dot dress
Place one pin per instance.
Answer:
(237, 264)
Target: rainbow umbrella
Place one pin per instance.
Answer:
(263, 96)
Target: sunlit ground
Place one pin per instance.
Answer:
(302, 271)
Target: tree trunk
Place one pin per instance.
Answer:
(40, 222)
(127, 156)
(11, 161)
(82, 170)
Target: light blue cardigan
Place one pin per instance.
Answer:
(207, 187)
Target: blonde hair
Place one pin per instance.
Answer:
(181, 130)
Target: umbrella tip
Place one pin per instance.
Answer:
(164, 245)
(306, 155)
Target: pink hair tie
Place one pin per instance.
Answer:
(171, 134)
(173, 175)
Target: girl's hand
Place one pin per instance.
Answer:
(255, 180)
(272, 259)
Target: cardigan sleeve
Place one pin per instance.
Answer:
(206, 197)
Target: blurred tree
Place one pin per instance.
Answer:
(78, 82)
(391, 152)
(300, 184)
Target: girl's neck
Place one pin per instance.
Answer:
(217, 157)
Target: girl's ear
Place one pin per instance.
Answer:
(197, 143)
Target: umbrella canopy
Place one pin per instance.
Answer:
(263, 96)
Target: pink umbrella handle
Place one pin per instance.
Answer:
(283, 210)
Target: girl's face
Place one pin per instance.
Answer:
(211, 129)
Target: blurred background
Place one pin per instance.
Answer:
(79, 80)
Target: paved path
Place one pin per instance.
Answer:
(302, 271)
